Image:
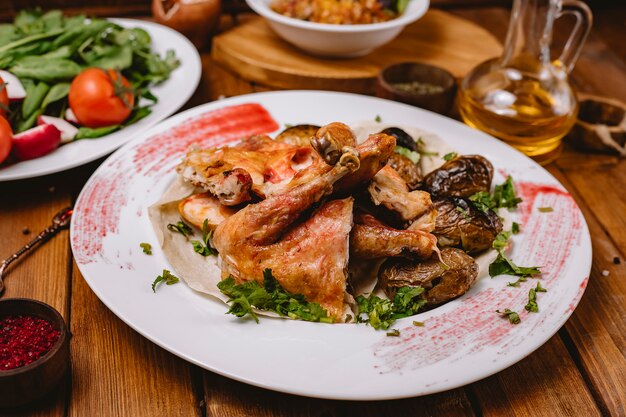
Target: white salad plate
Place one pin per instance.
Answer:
(461, 342)
(173, 93)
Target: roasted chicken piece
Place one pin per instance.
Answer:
(460, 177)
(198, 207)
(442, 280)
(413, 207)
(459, 223)
(371, 239)
(308, 257)
(258, 164)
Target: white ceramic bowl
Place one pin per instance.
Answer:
(338, 41)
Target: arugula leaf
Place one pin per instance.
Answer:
(146, 247)
(412, 155)
(271, 296)
(450, 156)
(511, 315)
(166, 277)
(382, 313)
(180, 227)
(94, 133)
(503, 196)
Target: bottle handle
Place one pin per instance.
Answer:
(576, 40)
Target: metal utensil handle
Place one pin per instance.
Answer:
(60, 221)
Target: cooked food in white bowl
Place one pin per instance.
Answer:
(348, 36)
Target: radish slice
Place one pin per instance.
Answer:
(15, 89)
(68, 130)
(36, 142)
(70, 116)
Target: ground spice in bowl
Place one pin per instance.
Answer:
(25, 339)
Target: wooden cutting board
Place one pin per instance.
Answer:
(255, 53)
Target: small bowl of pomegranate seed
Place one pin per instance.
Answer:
(34, 350)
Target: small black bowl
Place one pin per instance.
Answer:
(28, 383)
(439, 100)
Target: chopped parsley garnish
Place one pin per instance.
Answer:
(511, 315)
(146, 247)
(406, 152)
(166, 277)
(394, 333)
(378, 118)
(381, 313)
(180, 227)
(505, 266)
(204, 248)
(450, 156)
(271, 296)
(503, 196)
(532, 305)
(515, 228)
(516, 283)
(420, 148)
(418, 323)
(464, 212)
(545, 209)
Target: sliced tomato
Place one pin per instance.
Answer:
(6, 139)
(101, 97)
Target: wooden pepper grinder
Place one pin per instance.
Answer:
(196, 19)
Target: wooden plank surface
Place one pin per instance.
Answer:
(580, 371)
(254, 52)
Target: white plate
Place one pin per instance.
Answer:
(172, 94)
(461, 342)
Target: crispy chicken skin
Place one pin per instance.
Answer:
(308, 258)
(413, 207)
(258, 164)
(371, 239)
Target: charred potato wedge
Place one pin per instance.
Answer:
(298, 135)
(460, 177)
(460, 224)
(409, 171)
(441, 282)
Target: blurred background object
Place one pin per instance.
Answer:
(196, 19)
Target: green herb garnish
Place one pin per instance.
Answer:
(378, 118)
(204, 248)
(166, 277)
(406, 152)
(381, 313)
(464, 212)
(545, 209)
(503, 196)
(532, 305)
(517, 283)
(450, 156)
(503, 265)
(180, 227)
(394, 333)
(147, 248)
(418, 323)
(421, 148)
(515, 228)
(270, 296)
(511, 315)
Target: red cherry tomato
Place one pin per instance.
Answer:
(4, 98)
(100, 97)
(6, 139)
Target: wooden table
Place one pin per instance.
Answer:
(116, 372)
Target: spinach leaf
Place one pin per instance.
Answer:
(35, 94)
(44, 69)
(93, 133)
(56, 93)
